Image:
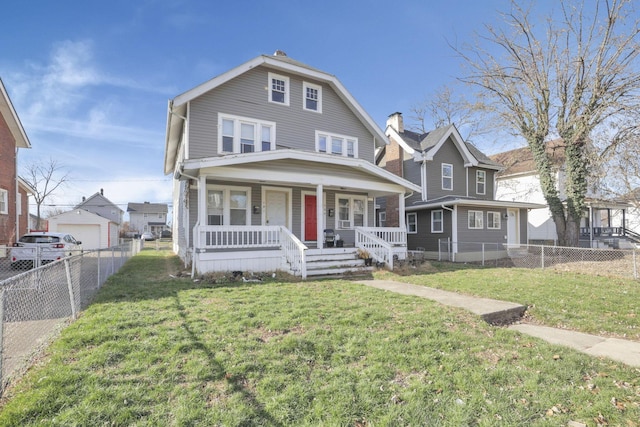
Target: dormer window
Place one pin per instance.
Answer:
(312, 97)
(481, 182)
(447, 176)
(278, 89)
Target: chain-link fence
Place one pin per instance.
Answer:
(604, 262)
(37, 302)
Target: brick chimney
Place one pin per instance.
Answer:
(394, 156)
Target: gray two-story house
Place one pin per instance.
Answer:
(454, 215)
(274, 167)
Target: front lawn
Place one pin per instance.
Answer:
(154, 350)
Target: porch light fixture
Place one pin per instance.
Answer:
(256, 209)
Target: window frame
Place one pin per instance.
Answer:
(440, 221)
(287, 88)
(412, 225)
(382, 218)
(226, 204)
(477, 215)
(490, 224)
(443, 177)
(4, 202)
(351, 197)
(482, 182)
(345, 144)
(238, 121)
(318, 90)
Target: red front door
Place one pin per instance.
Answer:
(310, 218)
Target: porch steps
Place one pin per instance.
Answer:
(334, 262)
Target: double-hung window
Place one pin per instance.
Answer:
(340, 145)
(447, 176)
(493, 220)
(352, 211)
(4, 202)
(437, 221)
(278, 89)
(228, 205)
(245, 135)
(412, 223)
(475, 220)
(312, 97)
(481, 182)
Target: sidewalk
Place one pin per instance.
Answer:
(504, 313)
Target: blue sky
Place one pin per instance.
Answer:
(91, 80)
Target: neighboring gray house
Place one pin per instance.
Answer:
(455, 212)
(100, 205)
(265, 158)
(151, 217)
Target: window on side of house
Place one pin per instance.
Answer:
(312, 97)
(382, 219)
(278, 89)
(4, 202)
(412, 223)
(245, 135)
(447, 176)
(228, 205)
(481, 182)
(437, 221)
(340, 145)
(493, 220)
(475, 220)
(352, 211)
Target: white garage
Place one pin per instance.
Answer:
(92, 230)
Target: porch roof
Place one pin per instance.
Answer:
(468, 201)
(300, 168)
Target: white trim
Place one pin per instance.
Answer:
(329, 144)
(490, 224)
(340, 224)
(469, 158)
(287, 88)
(318, 88)
(478, 171)
(415, 222)
(469, 202)
(441, 221)
(238, 121)
(477, 214)
(442, 177)
(11, 118)
(392, 133)
(226, 202)
(263, 210)
(382, 220)
(304, 193)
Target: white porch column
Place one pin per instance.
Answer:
(202, 208)
(401, 216)
(319, 217)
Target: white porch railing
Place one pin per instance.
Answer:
(373, 240)
(294, 252)
(255, 237)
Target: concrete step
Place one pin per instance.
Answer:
(339, 272)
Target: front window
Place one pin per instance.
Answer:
(312, 97)
(4, 202)
(447, 176)
(278, 89)
(382, 219)
(475, 220)
(481, 182)
(336, 144)
(437, 221)
(245, 135)
(352, 211)
(412, 223)
(493, 220)
(228, 205)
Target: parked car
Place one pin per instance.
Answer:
(166, 234)
(42, 248)
(148, 236)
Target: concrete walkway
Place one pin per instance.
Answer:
(505, 313)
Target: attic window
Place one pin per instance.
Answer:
(312, 97)
(278, 89)
(340, 145)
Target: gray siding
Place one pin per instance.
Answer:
(448, 153)
(412, 174)
(488, 184)
(484, 235)
(295, 127)
(424, 238)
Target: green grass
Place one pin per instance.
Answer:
(593, 304)
(159, 351)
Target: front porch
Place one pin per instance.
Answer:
(271, 248)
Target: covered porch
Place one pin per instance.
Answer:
(271, 210)
(604, 220)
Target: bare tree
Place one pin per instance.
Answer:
(563, 79)
(45, 178)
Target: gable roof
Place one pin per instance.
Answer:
(424, 146)
(99, 200)
(177, 107)
(520, 160)
(147, 207)
(11, 118)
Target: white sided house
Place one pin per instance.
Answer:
(273, 167)
(94, 231)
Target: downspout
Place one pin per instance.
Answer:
(18, 201)
(454, 228)
(196, 225)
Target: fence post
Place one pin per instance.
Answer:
(113, 262)
(483, 254)
(1, 340)
(99, 251)
(542, 256)
(70, 286)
